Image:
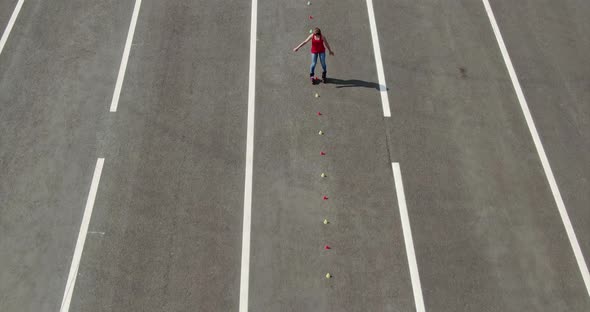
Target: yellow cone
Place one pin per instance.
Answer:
(328, 275)
(323, 175)
(326, 221)
(317, 95)
(321, 132)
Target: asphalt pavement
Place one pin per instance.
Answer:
(167, 226)
(6, 8)
(168, 216)
(367, 257)
(549, 46)
(472, 174)
(57, 70)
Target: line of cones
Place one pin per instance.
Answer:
(322, 153)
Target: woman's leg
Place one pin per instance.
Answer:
(323, 61)
(324, 67)
(314, 60)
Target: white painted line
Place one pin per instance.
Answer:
(10, 24)
(403, 212)
(378, 61)
(245, 270)
(540, 150)
(65, 303)
(123, 67)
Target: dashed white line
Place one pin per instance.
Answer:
(125, 59)
(71, 282)
(245, 269)
(540, 150)
(378, 61)
(403, 211)
(10, 24)
(99, 233)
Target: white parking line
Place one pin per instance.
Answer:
(540, 150)
(71, 282)
(378, 61)
(245, 270)
(403, 212)
(123, 67)
(10, 24)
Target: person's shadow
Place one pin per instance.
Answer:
(350, 83)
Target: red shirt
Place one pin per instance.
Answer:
(317, 46)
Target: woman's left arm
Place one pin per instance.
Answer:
(328, 45)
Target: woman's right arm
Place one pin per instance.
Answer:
(303, 43)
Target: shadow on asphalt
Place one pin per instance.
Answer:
(353, 83)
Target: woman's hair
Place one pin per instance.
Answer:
(317, 31)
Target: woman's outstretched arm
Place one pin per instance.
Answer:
(302, 43)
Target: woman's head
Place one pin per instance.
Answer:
(317, 32)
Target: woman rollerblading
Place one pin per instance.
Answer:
(319, 43)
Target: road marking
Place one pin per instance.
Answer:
(403, 212)
(71, 282)
(123, 67)
(540, 150)
(245, 270)
(10, 24)
(378, 61)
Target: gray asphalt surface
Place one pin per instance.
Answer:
(6, 8)
(367, 258)
(485, 222)
(57, 72)
(472, 173)
(551, 55)
(166, 231)
(170, 205)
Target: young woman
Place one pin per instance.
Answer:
(317, 49)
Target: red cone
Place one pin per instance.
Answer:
(310, 17)
(322, 153)
(319, 113)
(325, 197)
(327, 247)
